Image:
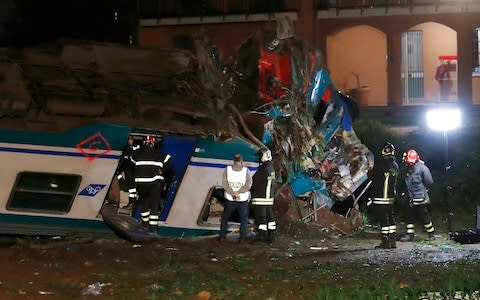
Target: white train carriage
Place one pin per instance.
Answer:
(61, 183)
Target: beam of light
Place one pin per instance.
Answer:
(444, 119)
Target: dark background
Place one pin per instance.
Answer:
(26, 23)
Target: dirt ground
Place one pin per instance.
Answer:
(302, 261)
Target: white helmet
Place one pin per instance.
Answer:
(266, 155)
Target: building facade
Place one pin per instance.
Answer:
(386, 52)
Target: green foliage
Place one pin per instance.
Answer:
(463, 176)
(374, 134)
(380, 292)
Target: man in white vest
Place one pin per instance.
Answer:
(237, 181)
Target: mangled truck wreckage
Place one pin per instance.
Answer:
(275, 93)
(309, 126)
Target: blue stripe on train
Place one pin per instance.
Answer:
(54, 153)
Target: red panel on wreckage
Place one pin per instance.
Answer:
(274, 74)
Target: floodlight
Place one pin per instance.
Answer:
(444, 119)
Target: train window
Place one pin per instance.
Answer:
(44, 192)
(212, 208)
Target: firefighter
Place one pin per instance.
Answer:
(262, 197)
(418, 179)
(386, 173)
(150, 166)
(125, 172)
(237, 182)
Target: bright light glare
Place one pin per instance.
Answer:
(444, 119)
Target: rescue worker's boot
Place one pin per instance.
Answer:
(261, 236)
(145, 215)
(132, 198)
(385, 244)
(408, 238)
(270, 236)
(431, 236)
(152, 228)
(271, 228)
(392, 237)
(153, 223)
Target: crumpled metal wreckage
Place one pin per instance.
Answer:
(311, 130)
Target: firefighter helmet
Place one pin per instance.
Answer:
(265, 154)
(150, 140)
(410, 157)
(388, 149)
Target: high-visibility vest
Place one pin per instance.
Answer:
(236, 180)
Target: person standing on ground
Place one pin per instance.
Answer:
(262, 197)
(418, 179)
(150, 166)
(385, 184)
(237, 182)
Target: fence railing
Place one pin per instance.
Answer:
(348, 4)
(158, 9)
(203, 8)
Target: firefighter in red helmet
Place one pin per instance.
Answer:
(418, 179)
(384, 189)
(151, 165)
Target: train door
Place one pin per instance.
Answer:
(181, 149)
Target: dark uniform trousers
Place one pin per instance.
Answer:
(385, 211)
(419, 212)
(150, 195)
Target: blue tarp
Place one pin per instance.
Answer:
(301, 184)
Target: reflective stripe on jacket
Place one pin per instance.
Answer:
(383, 201)
(262, 184)
(387, 188)
(150, 164)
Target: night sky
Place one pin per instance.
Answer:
(25, 23)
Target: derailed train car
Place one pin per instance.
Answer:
(307, 124)
(59, 183)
